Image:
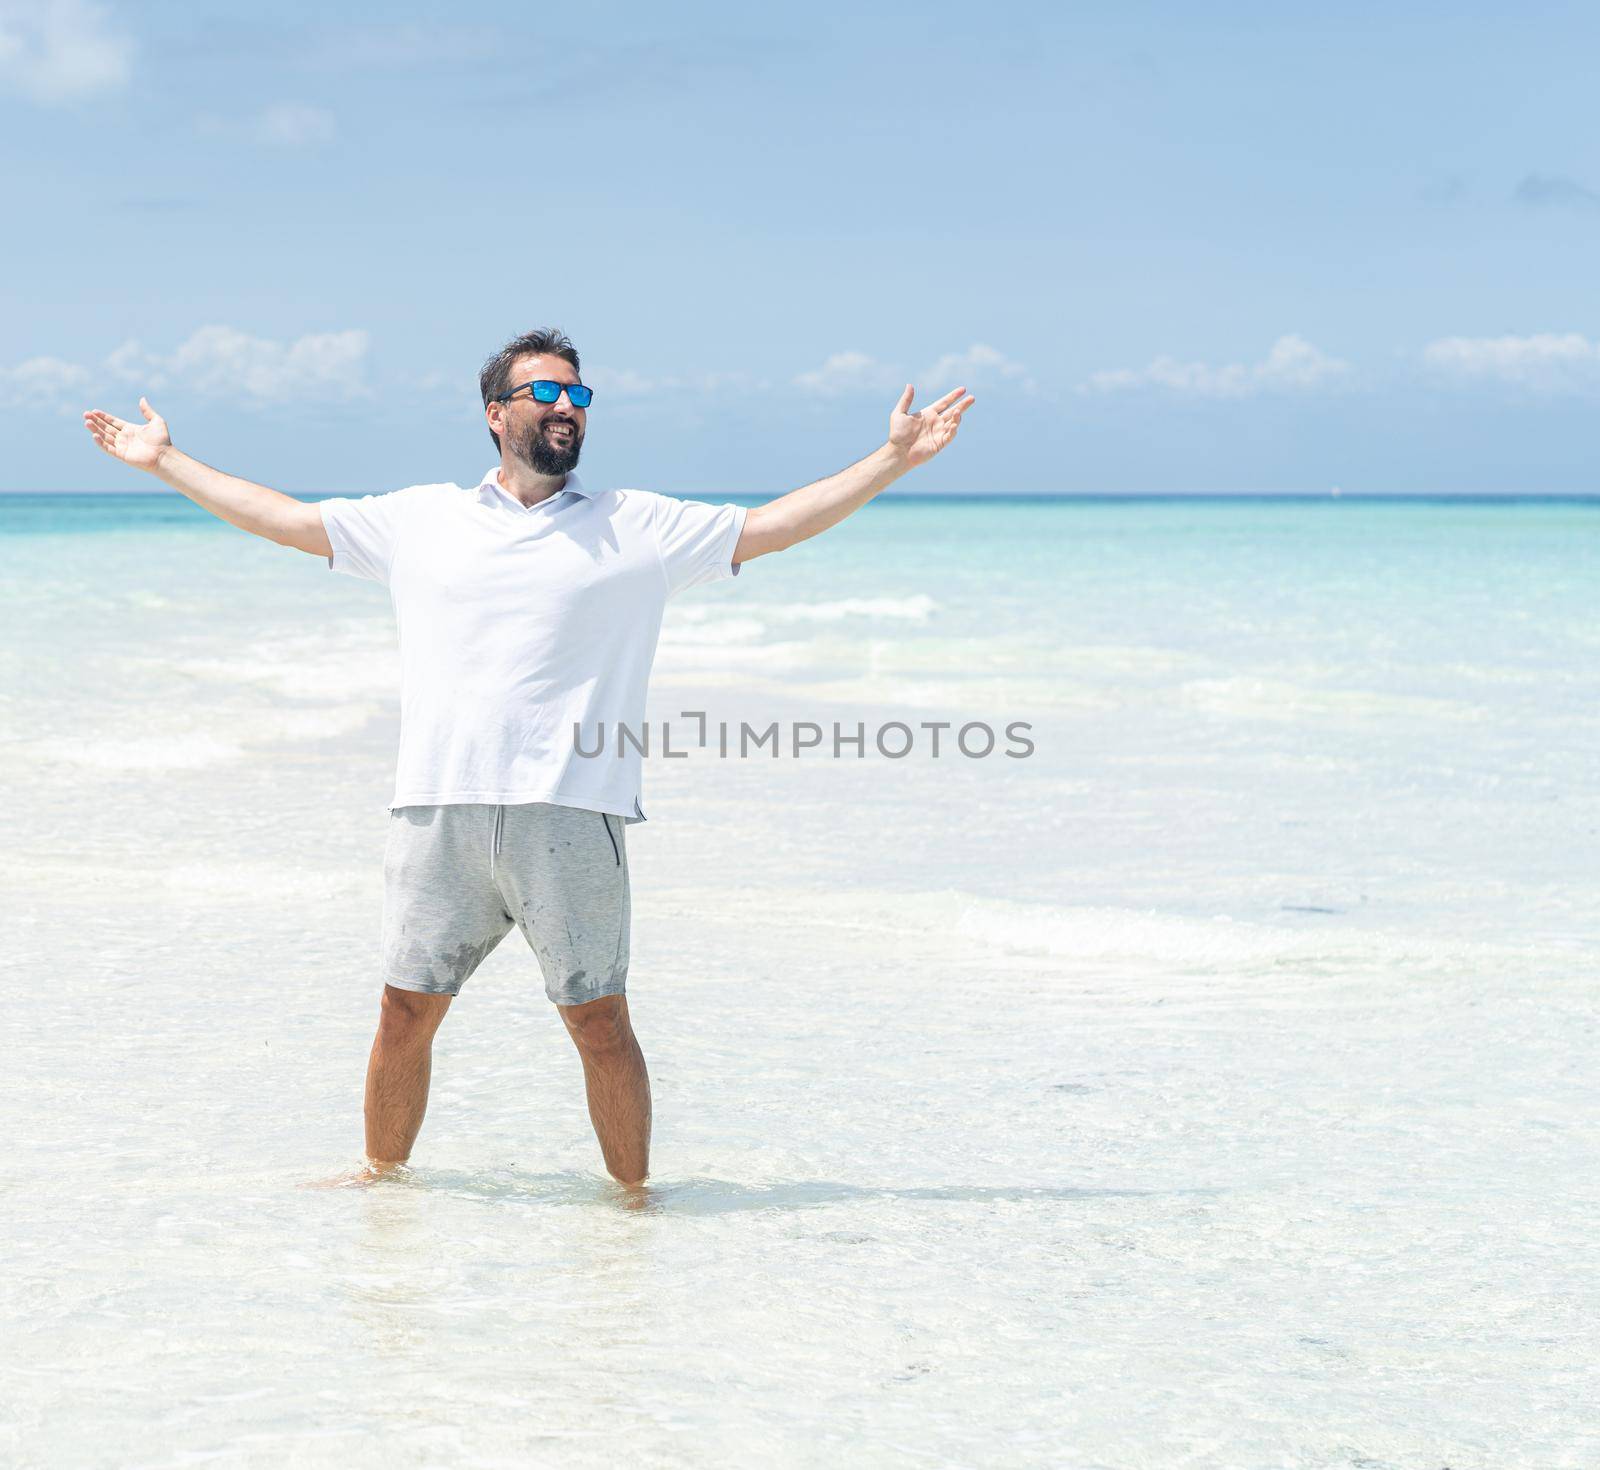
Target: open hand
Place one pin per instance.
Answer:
(920, 436)
(137, 444)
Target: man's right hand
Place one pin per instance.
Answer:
(251, 507)
(137, 444)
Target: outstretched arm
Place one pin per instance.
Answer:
(243, 503)
(913, 439)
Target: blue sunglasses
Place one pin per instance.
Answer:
(547, 390)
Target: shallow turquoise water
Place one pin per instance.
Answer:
(1213, 1086)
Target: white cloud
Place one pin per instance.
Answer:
(976, 368)
(295, 125)
(735, 381)
(285, 124)
(1180, 377)
(216, 361)
(1291, 364)
(853, 372)
(849, 372)
(1546, 361)
(620, 384)
(57, 51)
(130, 363)
(224, 361)
(41, 382)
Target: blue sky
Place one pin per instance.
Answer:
(1223, 247)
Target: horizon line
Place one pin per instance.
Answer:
(1573, 496)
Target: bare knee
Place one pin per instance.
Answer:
(410, 1015)
(599, 1027)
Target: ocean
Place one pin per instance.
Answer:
(1202, 1075)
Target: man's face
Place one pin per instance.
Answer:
(547, 437)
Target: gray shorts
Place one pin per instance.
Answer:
(456, 878)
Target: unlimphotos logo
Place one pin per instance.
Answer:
(893, 739)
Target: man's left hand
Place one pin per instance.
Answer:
(919, 436)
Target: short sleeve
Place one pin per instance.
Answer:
(697, 540)
(364, 532)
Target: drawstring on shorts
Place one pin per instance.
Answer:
(499, 824)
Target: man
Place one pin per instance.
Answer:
(528, 610)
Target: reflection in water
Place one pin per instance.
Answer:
(408, 1278)
(396, 1255)
(700, 1196)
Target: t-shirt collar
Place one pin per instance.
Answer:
(490, 488)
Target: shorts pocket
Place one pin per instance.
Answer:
(616, 852)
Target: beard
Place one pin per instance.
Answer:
(547, 456)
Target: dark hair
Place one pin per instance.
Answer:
(495, 378)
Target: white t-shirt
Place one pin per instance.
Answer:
(519, 623)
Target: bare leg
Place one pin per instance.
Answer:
(617, 1084)
(398, 1073)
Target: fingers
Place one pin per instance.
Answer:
(905, 400)
(145, 409)
(104, 428)
(949, 398)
